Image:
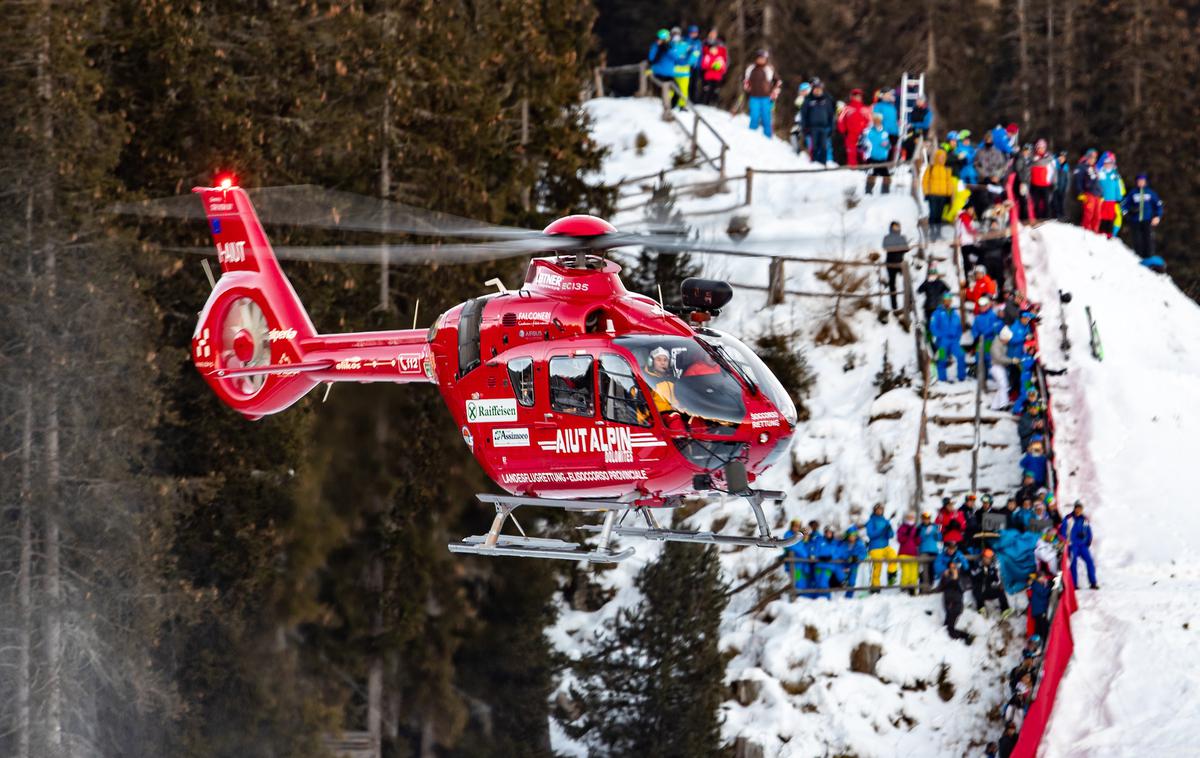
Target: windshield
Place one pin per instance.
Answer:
(747, 363)
(685, 377)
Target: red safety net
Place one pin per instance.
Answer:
(1058, 651)
(1014, 225)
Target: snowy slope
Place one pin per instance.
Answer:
(1126, 445)
(810, 704)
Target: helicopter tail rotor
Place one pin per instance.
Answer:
(247, 343)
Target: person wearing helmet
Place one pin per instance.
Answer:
(714, 64)
(796, 136)
(762, 85)
(945, 328)
(661, 379)
(682, 50)
(1035, 462)
(852, 122)
(662, 66)
(987, 585)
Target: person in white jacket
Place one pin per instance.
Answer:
(1045, 553)
(999, 370)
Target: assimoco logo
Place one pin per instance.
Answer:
(281, 334)
(489, 411)
(558, 282)
(510, 437)
(231, 252)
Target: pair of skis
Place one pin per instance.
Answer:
(1094, 330)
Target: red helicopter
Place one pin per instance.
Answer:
(571, 392)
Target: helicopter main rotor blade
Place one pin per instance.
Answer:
(678, 244)
(311, 206)
(404, 255)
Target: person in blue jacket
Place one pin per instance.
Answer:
(879, 546)
(1112, 192)
(827, 551)
(885, 105)
(1142, 211)
(1077, 531)
(794, 556)
(945, 328)
(875, 146)
(950, 555)
(1039, 604)
(662, 57)
(853, 551)
(929, 536)
(1006, 138)
(695, 52)
(987, 325)
(1034, 462)
(965, 155)
(1062, 185)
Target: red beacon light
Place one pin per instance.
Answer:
(226, 181)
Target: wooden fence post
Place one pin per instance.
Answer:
(749, 185)
(695, 134)
(598, 80)
(642, 83)
(775, 283)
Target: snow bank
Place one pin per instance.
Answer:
(855, 451)
(1126, 440)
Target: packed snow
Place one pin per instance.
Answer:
(1126, 437)
(929, 695)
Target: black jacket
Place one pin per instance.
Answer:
(817, 112)
(952, 593)
(932, 289)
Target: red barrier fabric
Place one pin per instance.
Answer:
(1057, 655)
(1014, 226)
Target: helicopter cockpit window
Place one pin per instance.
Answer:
(687, 378)
(620, 398)
(747, 363)
(572, 385)
(520, 376)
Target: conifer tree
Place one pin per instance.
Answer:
(653, 683)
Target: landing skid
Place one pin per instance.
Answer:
(522, 546)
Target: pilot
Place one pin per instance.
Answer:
(658, 373)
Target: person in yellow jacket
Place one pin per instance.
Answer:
(939, 185)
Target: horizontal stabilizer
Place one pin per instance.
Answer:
(278, 368)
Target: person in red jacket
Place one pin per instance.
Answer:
(853, 121)
(1039, 174)
(714, 64)
(981, 285)
(951, 522)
